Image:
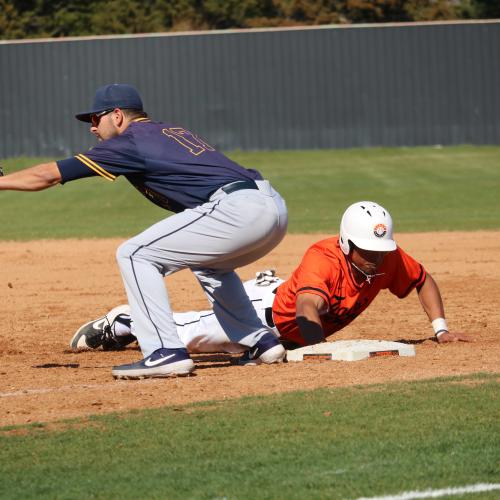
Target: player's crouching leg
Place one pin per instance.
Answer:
(164, 353)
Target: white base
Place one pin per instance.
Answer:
(350, 350)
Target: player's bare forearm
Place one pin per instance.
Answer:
(430, 298)
(432, 303)
(308, 307)
(34, 178)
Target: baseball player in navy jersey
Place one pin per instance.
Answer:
(225, 216)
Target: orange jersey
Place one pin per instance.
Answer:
(325, 271)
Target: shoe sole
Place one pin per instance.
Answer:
(178, 369)
(143, 377)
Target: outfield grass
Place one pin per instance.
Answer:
(426, 189)
(328, 443)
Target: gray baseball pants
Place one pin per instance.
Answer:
(213, 239)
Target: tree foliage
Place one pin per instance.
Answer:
(60, 18)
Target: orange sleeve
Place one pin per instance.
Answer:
(314, 275)
(408, 274)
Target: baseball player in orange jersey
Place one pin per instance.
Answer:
(336, 281)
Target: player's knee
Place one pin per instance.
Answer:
(125, 251)
(131, 252)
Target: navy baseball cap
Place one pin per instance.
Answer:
(109, 97)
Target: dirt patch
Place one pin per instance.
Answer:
(49, 288)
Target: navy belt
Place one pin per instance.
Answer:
(236, 186)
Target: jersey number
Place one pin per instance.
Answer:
(187, 139)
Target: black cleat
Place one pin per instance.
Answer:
(99, 333)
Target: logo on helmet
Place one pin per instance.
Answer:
(380, 230)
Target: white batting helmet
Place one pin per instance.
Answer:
(369, 226)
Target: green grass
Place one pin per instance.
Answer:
(426, 189)
(328, 443)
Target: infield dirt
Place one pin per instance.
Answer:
(49, 288)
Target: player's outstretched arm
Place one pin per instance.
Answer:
(431, 301)
(308, 307)
(34, 178)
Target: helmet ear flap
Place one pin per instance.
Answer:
(345, 244)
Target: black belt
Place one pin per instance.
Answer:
(236, 186)
(269, 316)
(269, 313)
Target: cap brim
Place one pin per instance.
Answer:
(86, 116)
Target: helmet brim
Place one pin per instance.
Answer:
(381, 245)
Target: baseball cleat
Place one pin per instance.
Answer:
(162, 363)
(267, 350)
(100, 332)
(266, 278)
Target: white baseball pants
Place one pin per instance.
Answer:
(201, 332)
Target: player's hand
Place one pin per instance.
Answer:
(454, 337)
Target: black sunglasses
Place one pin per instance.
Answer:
(96, 118)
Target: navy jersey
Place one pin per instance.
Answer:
(169, 165)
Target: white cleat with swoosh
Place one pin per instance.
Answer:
(267, 350)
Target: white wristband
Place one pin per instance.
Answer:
(439, 325)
